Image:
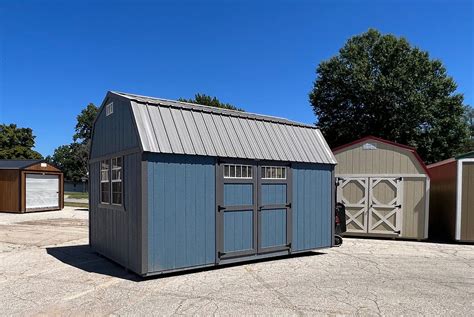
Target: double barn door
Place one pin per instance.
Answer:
(373, 204)
(254, 209)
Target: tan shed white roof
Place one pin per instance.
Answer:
(167, 126)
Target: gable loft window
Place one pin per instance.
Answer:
(273, 172)
(104, 182)
(109, 109)
(117, 181)
(237, 171)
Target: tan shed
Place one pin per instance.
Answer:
(384, 187)
(30, 185)
(452, 198)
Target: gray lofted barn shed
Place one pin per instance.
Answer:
(175, 185)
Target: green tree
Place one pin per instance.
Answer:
(203, 99)
(85, 121)
(73, 158)
(380, 85)
(17, 143)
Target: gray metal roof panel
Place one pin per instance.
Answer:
(17, 164)
(167, 126)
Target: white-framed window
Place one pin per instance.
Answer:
(109, 109)
(237, 171)
(273, 172)
(105, 182)
(117, 181)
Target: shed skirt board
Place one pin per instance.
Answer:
(373, 204)
(42, 191)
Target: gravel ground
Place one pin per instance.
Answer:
(46, 268)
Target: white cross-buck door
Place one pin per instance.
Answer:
(353, 193)
(373, 204)
(385, 205)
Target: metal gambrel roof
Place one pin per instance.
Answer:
(167, 126)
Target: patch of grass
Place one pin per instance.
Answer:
(81, 205)
(77, 195)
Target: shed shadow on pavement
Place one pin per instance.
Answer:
(83, 258)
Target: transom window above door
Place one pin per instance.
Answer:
(273, 172)
(237, 171)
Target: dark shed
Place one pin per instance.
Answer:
(175, 186)
(452, 198)
(30, 185)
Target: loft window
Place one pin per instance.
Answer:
(273, 172)
(237, 171)
(104, 182)
(117, 181)
(109, 109)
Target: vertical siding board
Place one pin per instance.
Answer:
(184, 212)
(311, 206)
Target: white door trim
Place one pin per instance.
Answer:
(397, 202)
(362, 204)
(427, 207)
(459, 195)
(382, 175)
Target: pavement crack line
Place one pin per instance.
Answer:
(286, 302)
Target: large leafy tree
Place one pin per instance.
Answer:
(72, 159)
(85, 121)
(17, 143)
(381, 85)
(203, 99)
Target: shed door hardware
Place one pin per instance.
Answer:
(219, 254)
(220, 208)
(399, 206)
(397, 232)
(288, 205)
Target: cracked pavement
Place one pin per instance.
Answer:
(46, 268)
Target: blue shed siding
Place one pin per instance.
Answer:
(273, 194)
(312, 203)
(273, 227)
(238, 194)
(238, 233)
(181, 211)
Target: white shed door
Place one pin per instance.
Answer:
(42, 191)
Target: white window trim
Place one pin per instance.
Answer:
(109, 109)
(249, 167)
(116, 181)
(105, 181)
(279, 178)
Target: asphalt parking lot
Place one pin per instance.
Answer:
(46, 268)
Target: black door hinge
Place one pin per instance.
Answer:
(219, 254)
(220, 208)
(288, 205)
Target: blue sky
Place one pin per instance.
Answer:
(57, 56)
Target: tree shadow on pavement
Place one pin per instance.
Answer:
(84, 258)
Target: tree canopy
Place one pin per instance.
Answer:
(381, 85)
(203, 99)
(85, 121)
(17, 143)
(73, 158)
